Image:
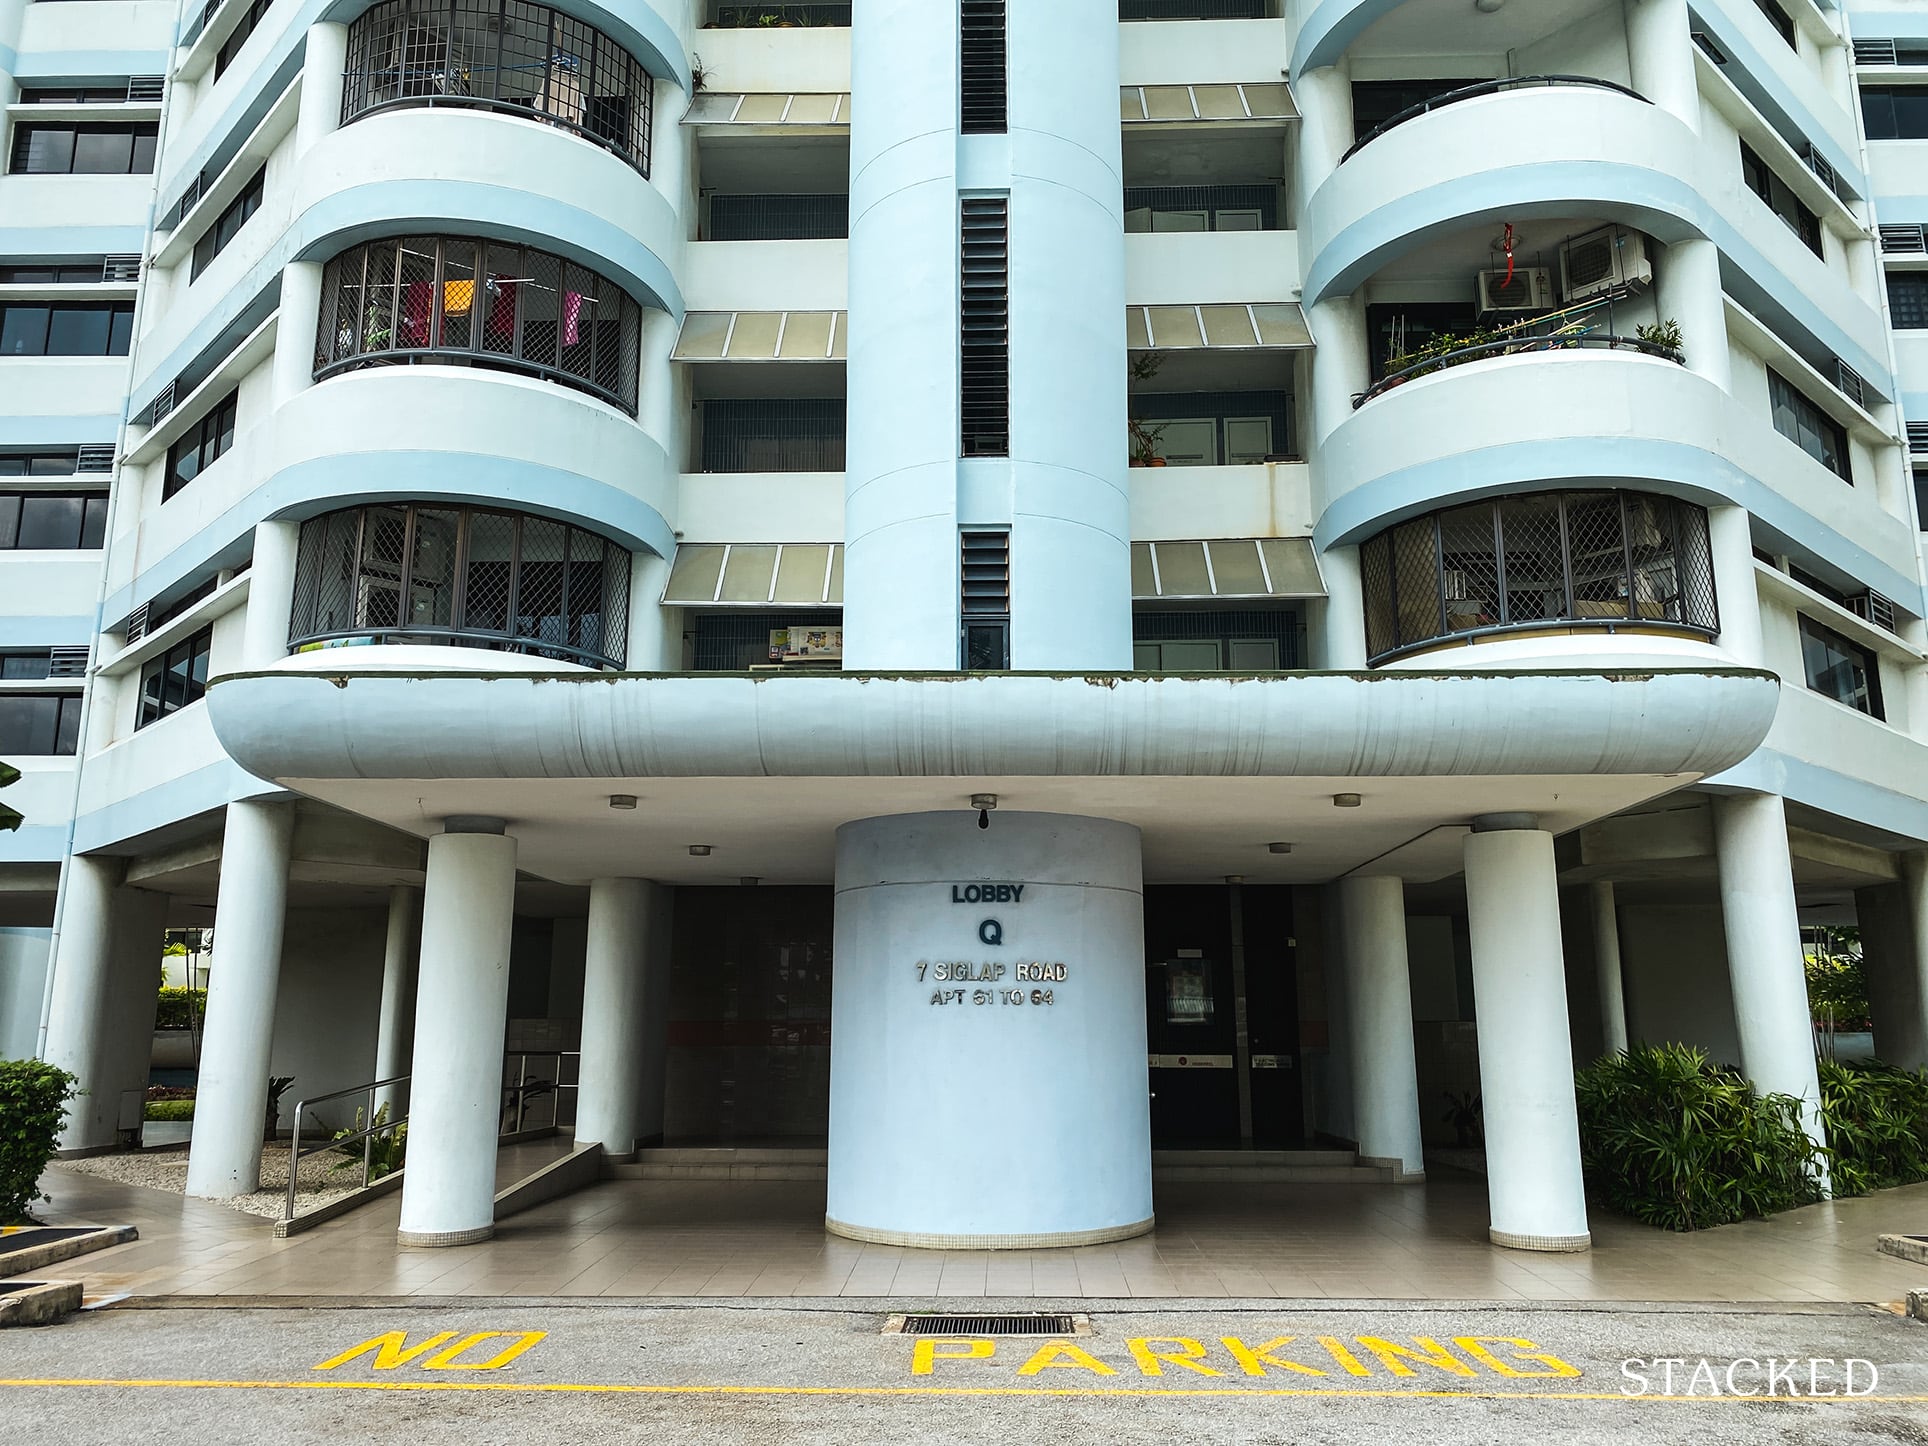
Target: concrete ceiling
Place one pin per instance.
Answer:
(1429, 30)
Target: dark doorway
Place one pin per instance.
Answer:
(1218, 963)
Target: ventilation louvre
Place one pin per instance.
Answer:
(1850, 382)
(1819, 165)
(1918, 436)
(1875, 52)
(1706, 43)
(137, 624)
(123, 267)
(985, 316)
(163, 401)
(95, 457)
(984, 56)
(1903, 240)
(67, 662)
(146, 89)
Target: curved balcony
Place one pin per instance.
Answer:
(523, 60)
(439, 169)
(1543, 152)
(1484, 87)
(461, 577)
(1533, 562)
(455, 301)
(1514, 343)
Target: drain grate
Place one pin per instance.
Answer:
(988, 1325)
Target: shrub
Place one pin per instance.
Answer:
(169, 1110)
(33, 1106)
(386, 1151)
(181, 1008)
(1678, 1142)
(1877, 1118)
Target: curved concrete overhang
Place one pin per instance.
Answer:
(305, 725)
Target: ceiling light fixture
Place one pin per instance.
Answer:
(984, 803)
(622, 800)
(1487, 7)
(1280, 848)
(699, 851)
(1345, 800)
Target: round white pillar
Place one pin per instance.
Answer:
(1324, 97)
(1341, 364)
(618, 1029)
(1766, 965)
(394, 1024)
(1660, 56)
(1344, 613)
(1687, 289)
(1606, 964)
(961, 1118)
(1730, 536)
(81, 997)
(296, 321)
(323, 68)
(1385, 1076)
(461, 1015)
(1535, 1192)
(271, 594)
(224, 1157)
(1910, 1034)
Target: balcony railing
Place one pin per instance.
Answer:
(1193, 9)
(777, 16)
(1516, 345)
(1485, 87)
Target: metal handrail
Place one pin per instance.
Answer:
(1543, 625)
(523, 1089)
(1485, 87)
(639, 163)
(495, 642)
(1558, 341)
(365, 1135)
(484, 360)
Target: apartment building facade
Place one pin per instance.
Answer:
(999, 585)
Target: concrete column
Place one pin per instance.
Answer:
(1766, 965)
(1385, 1077)
(1731, 537)
(395, 1024)
(1533, 1181)
(1606, 963)
(322, 68)
(669, 145)
(655, 632)
(1660, 56)
(659, 412)
(295, 345)
(461, 1015)
(1687, 289)
(987, 1055)
(106, 967)
(1341, 364)
(271, 594)
(1898, 982)
(1344, 616)
(623, 1020)
(249, 913)
(1325, 126)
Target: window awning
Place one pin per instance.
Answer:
(757, 574)
(1270, 324)
(1250, 101)
(713, 336)
(769, 108)
(761, 336)
(1236, 567)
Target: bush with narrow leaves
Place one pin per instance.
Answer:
(1877, 1119)
(1676, 1141)
(33, 1106)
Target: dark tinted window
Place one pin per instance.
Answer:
(69, 328)
(228, 225)
(176, 678)
(1908, 299)
(1895, 112)
(85, 148)
(39, 725)
(1806, 425)
(1839, 669)
(207, 440)
(1780, 198)
(1782, 22)
(238, 37)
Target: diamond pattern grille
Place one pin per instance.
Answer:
(1602, 558)
(465, 577)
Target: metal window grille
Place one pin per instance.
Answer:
(95, 457)
(67, 662)
(122, 267)
(752, 16)
(1284, 627)
(984, 56)
(1818, 164)
(1875, 52)
(735, 642)
(163, 402)
(1903, 240)
(1872, 607)
(779, 218)
(1210, 200)
(1850, 383)
(985, 588)
(137, 624)
(774, 434)
(1918, 436)
(456, 301)
(985, 313)
(145, 89)
(1192, 10)
(500, 55)
(461, 577)
(1543, 559)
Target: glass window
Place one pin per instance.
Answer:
(1908, 299)
(1764, 182)
(92, 148)
(23, 330)
(15, 667)
(49, 521)
(74, 332)
(1839, 669)
(39, 725)
(200, 446)
(1782, 22)
(1807, 426)
(80, 328)
(1895, 112)
(172, 680)
(229, 223)
(238, 37)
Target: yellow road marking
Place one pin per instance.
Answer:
(537, 1388)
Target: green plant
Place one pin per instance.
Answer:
(33, 1106)
(172, 1110)
(1837, 985)
(1877, 1119)
(1144, 441)
(180, 1008)
(277, 1086)
(1463, 1112)
(1664, 334)
(1676, 1141)
(385, 1151)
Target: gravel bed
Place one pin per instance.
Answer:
(167, 1170)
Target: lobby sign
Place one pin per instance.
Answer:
(993, 982)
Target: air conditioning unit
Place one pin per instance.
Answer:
(1602, 261)
(1531, 289)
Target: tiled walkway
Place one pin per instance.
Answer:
(765, 1239)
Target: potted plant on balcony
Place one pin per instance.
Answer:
(1144, 443)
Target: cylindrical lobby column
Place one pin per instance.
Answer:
(224, 1157)
(1766, 966)
(1903, 1040)
(1385, 1076)
(1606, 964)
(461, 1015)
(394, 1024)
(82, 997)
(987, 1055)
(623, 1026)
(1535, 1192)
